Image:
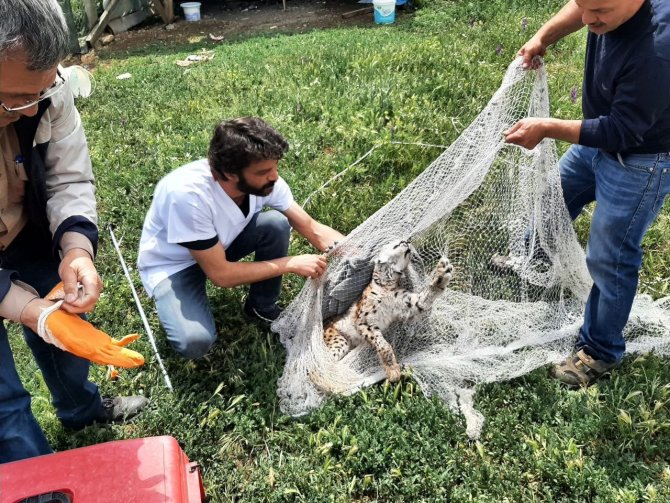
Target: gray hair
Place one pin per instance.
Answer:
(35, 27)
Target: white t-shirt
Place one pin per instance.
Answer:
(190, 205)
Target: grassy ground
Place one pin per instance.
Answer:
(335, 94)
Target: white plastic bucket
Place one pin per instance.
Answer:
(191, 11)
(384, 11)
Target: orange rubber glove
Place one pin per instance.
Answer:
(70, 333)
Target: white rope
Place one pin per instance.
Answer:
(357, 161)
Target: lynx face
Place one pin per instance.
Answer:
(393, 259)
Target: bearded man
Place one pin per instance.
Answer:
(207, 215)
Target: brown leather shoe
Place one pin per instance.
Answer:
(581, 369)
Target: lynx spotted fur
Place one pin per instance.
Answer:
(384, 302)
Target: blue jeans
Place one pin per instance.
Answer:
(77, 401)
(181, 300)
(628, 197)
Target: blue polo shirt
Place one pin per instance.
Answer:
(626, 91)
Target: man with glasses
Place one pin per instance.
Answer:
(48, 226)
(15, 111)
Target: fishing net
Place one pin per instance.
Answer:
(480, 198)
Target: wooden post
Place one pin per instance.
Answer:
(169, 9)
(159, 9)
(165, 9)
(91, 9)
(102, 24)
(72, 28)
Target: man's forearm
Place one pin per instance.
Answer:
(530, 131)
(564, 130)
(72, 240)
(323, 236)
(567, 20)
(319, 235)
(242, 273)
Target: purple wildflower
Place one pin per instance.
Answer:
(573, 94)
(524, 24)
(499, 49)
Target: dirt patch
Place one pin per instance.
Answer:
(235, 20)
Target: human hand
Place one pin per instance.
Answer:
(70, 333)
(526, 133)
(534, 47)
(76, 268)
(309, 266)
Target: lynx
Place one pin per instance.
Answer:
(382, 303)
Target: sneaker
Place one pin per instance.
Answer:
(114, 410)
(581, 369)
(266, 315)
(121, 409)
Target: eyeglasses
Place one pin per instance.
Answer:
(47, 93)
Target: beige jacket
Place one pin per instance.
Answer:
(60, 192)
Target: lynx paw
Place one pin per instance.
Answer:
(443, 272)
(393, 373)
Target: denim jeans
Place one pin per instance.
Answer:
(629, 193)
(77, 401)
(181, 300)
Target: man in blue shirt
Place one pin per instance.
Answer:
(620, 157)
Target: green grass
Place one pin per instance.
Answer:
(334, 94)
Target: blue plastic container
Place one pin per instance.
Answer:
(384, 11)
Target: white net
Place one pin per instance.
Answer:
(479, 198)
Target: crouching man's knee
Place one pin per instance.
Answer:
(192, 343)
(275, 224)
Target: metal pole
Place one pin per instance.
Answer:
(139, 308)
